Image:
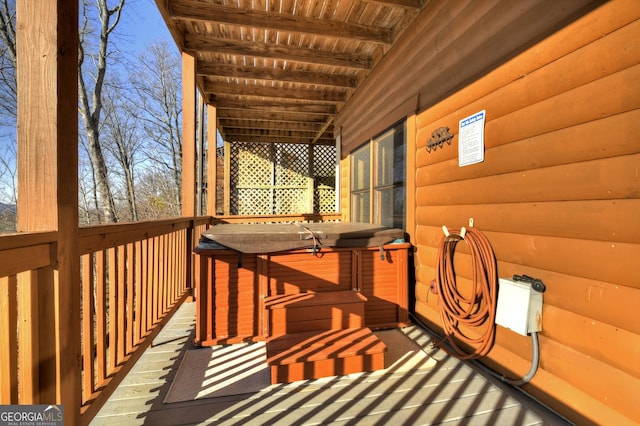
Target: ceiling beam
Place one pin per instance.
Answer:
(324, 129)
(282, 139)
(267, 115)
(276, 74)
(285, 53)
(273, 105)
(300, 134)
(222, 89)
(407, 4)
(209, 12)
(251, 123)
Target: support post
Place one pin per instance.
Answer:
(212, 160)
(47, 76)
(188, 134)
(189, 156)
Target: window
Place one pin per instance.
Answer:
(378, 180)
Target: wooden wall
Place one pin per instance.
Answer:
(558, 194)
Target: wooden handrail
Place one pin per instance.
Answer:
(310, 217)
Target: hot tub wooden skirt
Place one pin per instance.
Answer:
(326, 302)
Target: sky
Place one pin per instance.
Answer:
(142, 24)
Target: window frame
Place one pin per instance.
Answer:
(376, 188)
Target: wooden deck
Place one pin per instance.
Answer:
(451, 392)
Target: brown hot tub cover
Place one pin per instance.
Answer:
(275, 237)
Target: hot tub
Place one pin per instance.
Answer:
(241, 265)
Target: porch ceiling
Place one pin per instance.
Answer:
(279, 71)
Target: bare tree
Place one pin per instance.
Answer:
(8, 84)
(87, 188)
(91, 103)
(156, 192)
(122, 141)
(157, 83)
(8, 115)
(8, 190)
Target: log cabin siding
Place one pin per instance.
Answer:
(450, 43)
(558, 193)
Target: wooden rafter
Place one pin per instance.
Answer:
(274, 105)
(221, 89)
(209, 12)
(407, 4)
(199, 43)
(276, 74)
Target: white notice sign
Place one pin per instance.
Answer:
(471, 139)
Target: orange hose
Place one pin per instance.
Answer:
(476, 310)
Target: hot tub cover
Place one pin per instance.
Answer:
(275, 237)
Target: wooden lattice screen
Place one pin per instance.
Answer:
(280, 178)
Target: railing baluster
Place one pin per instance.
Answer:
(139, 298)
(88, 313)
(101, 318)
(144, 313)
(130, 286)
(28, 338)
(157, 295)
(112, 322)
(8, 340)
(120, 329)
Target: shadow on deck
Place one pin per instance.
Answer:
(451, 392)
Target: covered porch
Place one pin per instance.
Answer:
(98, 319)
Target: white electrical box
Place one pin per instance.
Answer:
(519, 307)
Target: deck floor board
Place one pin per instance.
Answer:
(452, 392)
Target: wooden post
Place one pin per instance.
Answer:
(188, 134)
(227, 178)
(189, 155)
(47, 75)
(212, 160)
(199, 181)
(338, 189)
(311, 182)
(410, 178)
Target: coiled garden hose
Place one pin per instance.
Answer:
(476, 310)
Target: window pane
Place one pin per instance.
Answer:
(360, 203)
(384, 207)
(399, 207)
(390, 207)
(390, 174)
(385, 160)
(360, 169)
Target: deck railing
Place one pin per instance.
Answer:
(132, 278)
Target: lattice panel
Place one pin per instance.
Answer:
(292, 164)
(253, 201)
(291, 200)
(253, 164)
(324, 161)
(273, 178)
(324, 172)
(324, 197)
